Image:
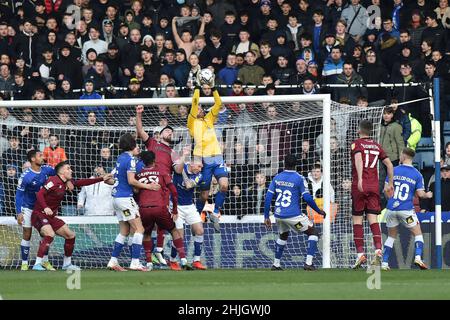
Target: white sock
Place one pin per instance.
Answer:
(418, 238)
(159, 249)
(183, 261)
(114, 260)
(134, 261)
(38, 261)
(137, 238)
(360, 254)
(25, 243)
(120, 238)
(130, 240)
(67, 261)
(309, 259)
(276, 262)
(173, 259)
(45, 258)
(389, 242)
(418, 257)
(196, 258)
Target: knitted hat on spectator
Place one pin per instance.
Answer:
(49, 80)
(107, 21)
(90, 50)
(113, 46)
(66, 45)
(431, 15)
(265, 3)
(88, 80)
(445, 167)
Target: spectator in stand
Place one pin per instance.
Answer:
(434, 31)
(374, 72)
(15, 154)
(443, 14)
(266, 60)
(43, 139)
(230, 29)
(9, 122)
(54, 154)
(388, 28)
(181, 69)
(416, 27)
(237, 202)
(67, 66)
(445, 189)
(333, 66)
(282, 73)
(356, 17)
(96, 199)
(132, 56)
(6, 80)
(294, 30)
(100, 46)
(112, 60)
(90, 94)
(65, 90)
(185, 41)
(229, 74)
(9, 182)
(401, 118)
(255, 194)
(447, 154)
(99, 74)
(150, 68)
(250, 72)
(169, 64)
(391, 137)
(244, 45)
(349, 77)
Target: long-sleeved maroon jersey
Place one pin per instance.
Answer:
(53, 191)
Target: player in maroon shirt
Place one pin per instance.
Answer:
(365, 189)
(44, 217)
(153, 207)
(166, 158)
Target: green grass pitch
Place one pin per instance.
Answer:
(226, 284)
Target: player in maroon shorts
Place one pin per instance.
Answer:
(365, 189)
(166, 159)
(44, 219)
(153, 207)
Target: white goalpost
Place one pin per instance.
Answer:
(255, 133)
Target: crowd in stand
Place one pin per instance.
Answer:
(94, 49)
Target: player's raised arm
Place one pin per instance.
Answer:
(86, 182)
(139, 128)
(217, 105)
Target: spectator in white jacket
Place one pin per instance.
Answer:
(100, 46)
(96, 199)
(315, 183)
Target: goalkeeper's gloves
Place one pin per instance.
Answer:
(323, 213)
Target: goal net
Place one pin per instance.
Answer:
(255, 133)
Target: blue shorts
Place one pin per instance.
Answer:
(212, 166)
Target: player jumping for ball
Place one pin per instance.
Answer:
(288, 187)
(365, 189)
(400, 208)
(207, 148)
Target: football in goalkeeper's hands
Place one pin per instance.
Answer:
(206, 76)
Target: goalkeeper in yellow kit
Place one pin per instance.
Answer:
(207, 149)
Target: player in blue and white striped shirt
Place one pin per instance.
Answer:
(400, 208)
(289, 187)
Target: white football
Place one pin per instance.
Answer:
(206, 76)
